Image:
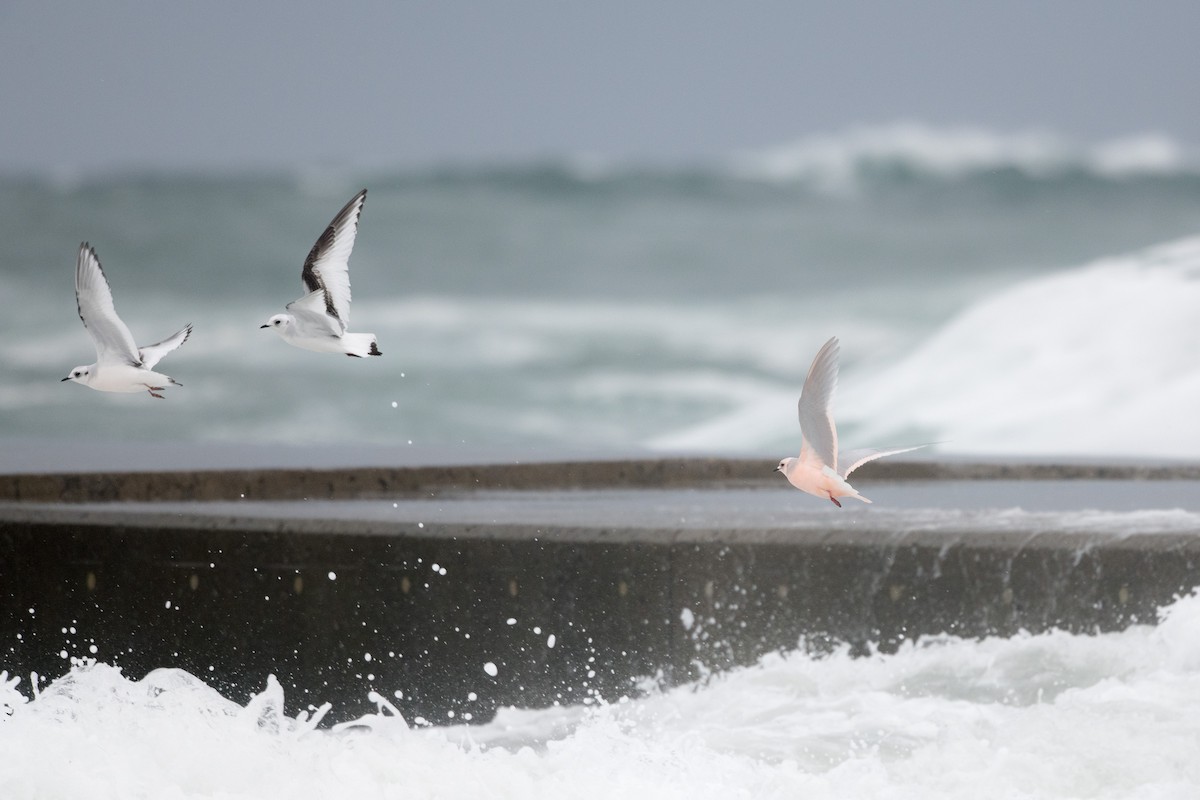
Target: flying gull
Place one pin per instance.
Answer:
(121, 366)
(817, 470)
(318, 320)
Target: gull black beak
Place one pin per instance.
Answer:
(264, 326)
(66, 379)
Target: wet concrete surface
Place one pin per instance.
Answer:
(985, 505)
(330, 483)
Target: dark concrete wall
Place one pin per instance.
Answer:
(236, 601)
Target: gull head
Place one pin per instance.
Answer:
(785, 465)
(80, 375)
(279, 322)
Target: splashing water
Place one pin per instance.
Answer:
(1053, 715)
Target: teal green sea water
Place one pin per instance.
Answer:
(571, 306)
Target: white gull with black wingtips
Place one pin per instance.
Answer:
(121, 366)
(318, 320)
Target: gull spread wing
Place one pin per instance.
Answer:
(816, 421)
(327, 268)
(114, 343)
(152, 353)
(856, 458)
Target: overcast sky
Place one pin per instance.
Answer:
(216, 83)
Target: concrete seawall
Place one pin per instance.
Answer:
(468, 588)
(295, 484)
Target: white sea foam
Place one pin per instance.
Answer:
(1115, 715)
(1096, 360)
(835, 161)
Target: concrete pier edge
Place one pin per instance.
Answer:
(335, 483)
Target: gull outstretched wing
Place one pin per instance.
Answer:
(114, 343)
(816, 421)
(327, 268)
(856, 458)
(152, 353)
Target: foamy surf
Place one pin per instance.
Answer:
(1095, 360)
(1113, 715)
(839, 161)
(1089, 361)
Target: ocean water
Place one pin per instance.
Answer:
(996, 293)
(1054, 715)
